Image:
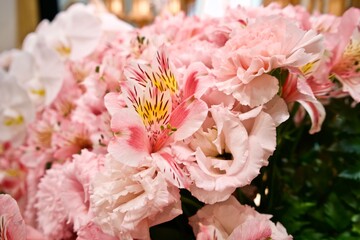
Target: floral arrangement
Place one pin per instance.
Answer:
(108, 130)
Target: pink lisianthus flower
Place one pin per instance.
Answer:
(243, 65)
(127, 201)
(230, 152)
(159, 112)
(12, 225)
(231, 221)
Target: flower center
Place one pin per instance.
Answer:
(44, 137)
(154, 109)
(350, 62)
(164, 79)
(13, 120)
(63, 49)
(40, 92)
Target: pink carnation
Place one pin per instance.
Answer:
(75, 187)
(243, 65)
(51, 214)
(93, 232)
(127, 201)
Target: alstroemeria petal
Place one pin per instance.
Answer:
(171, 170)
(130, 144)
(188, 117)
(12, 225)
(317, 114)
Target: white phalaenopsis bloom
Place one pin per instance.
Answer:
(16, 109)
(73, 34)
(40, 73)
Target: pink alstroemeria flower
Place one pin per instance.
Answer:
(12, 225)
(297, 89)
(347, 54)
(343, 60)
(159, 111)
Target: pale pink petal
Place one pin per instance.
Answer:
(278, 232)
(126, 200)
(171, 169)
(317, 114)
(211, 197)
(252, 229)
(277, 109)
(352, 86)
(130, 144)
(12, 225)
(259, 91)
(297, 89)
(349, 21)
(198, 80)
(33, 234)
(92, 231)
(113, 102)
(209, 233)
(231, 220)
(188, 117)
(264, 131)
(51, 214)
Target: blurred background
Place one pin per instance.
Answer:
(20, 17)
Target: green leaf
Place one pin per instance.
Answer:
(311, 234)
(353, 173)
(336, 215)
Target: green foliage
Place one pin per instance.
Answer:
(314, 180)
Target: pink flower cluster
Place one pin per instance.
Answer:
(101, 123)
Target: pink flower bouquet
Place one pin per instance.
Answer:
(106, 129)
